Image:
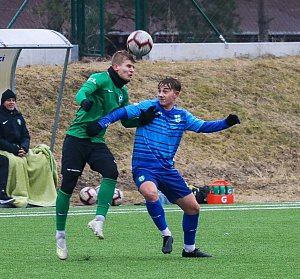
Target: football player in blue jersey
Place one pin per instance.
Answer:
(154, 149)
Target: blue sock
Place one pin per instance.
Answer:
(157, 214)
(189, 226)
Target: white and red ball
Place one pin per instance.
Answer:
(88, 195)
(139, 43)
(118, 197)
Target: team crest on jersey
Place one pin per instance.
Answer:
(141, 178)
(177, 118)
(121, 98)
(19, 122)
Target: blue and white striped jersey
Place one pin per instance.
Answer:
(155, 144)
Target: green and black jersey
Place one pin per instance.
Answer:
(106, 97)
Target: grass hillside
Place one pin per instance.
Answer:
(261, 157)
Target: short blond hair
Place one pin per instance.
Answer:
(120, 56)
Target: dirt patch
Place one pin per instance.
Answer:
(261, 157)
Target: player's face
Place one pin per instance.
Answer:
(125, 70)
(10, 104)
(167, 97)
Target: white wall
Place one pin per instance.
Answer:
(182, 51)
(201, 51)
(46, 56)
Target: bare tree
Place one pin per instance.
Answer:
(53, 14)
(263, 22)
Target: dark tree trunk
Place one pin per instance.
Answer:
(263, 22)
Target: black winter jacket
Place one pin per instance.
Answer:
(13, 131)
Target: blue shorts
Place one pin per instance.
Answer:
(170, 182)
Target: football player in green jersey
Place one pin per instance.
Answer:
(100, 94)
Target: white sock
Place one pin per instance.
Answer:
(189, 248)
(166, 232)
(100, 218)
(60, 234)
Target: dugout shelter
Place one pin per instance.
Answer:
(13, 41)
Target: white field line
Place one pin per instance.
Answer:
(141, 209)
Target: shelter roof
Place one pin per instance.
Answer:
(32, 38)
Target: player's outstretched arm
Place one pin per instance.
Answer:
(232, 119)
(219, 125)
(94, 128)
(146, 117)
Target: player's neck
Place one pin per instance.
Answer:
(119, 82)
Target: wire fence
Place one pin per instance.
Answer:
(101, 27)
(185, 21)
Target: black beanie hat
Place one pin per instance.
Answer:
(7, 94)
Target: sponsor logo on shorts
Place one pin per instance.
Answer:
(73, 170)
(141, 178)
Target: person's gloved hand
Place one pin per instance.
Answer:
(93, 129)
(86, 105)
(148, 115)
(232, 119)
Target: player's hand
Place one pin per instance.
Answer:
(22, 153)
(86, 105)
(148, 115)
(232, 119)
(93, 129)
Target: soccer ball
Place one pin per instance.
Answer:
(88, 195)
(117, 197)
(139, 43)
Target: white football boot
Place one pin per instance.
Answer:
(61, 248)
(97, 228)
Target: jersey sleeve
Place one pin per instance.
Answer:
(192, 122)
(200, 126)
(134, 110)
(213, 126)
(133, 122)
(112, 117)
(91, 85)
(128, 112)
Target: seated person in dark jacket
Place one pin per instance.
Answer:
(14, 138)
